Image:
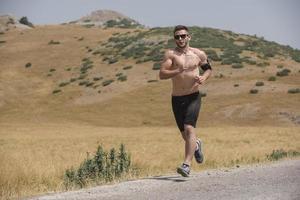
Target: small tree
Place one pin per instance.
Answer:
(25, 21)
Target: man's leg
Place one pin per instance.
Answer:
(190, 138)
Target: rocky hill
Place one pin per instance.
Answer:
(107, 18)
(11, 22)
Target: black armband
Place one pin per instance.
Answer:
(206, 66)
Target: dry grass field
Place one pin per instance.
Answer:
(35, 156)
(42, 134)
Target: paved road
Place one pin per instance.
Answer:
(279, 180)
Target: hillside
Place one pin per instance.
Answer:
(109, 77)
(66, 89)
(8, 22)
(107, 18)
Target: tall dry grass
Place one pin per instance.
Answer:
(34, 157)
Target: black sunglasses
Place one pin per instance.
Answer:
(183, 36)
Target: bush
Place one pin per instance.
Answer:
(294, 90)
(89, 84)
(237, 66)
(56, 91)
(53, 42)
(107, 82)
(253, 91)
(212, 55)
(152, 81)
(127, 67)
(82, 76)
(259, 83)
(112, 60)
(97, 78)
(284, 72)
(264, 64)
(272, 78)
(156, 66)
(73, 80)
(122, 78)
(83, 83)
(102, 167)
(62, 84)
(277, 154)
(280, 153)
(216, 76)
(28, 65)
(25, 21)
(279, 66)
(88, 25)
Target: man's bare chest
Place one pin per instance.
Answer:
(187, 61)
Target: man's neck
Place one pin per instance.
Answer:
(183, 50)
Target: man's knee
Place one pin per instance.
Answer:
(188, 129)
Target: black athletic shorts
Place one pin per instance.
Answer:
(186, 109)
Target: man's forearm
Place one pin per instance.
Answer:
(207, 73)
(165, 74)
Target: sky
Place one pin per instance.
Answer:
(275, 20)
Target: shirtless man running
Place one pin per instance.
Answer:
(182, 66)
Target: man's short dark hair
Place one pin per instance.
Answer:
(180, 27)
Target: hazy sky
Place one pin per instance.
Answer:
(275, 20)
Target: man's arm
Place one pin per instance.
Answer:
(165, 69)
(205, 65)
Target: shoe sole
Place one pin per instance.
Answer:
(182, 172)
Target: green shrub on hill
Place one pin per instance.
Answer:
(263, 64)
(86, 65)
(88, 25)
(73, 80)
(212, 55)
(28, 65)
(237, 66)
(123, 23)
(89, 84)
(107, 82)
(280, 66)
(284, 72)
(272, 78)
(156, 66)
(62, 84)
(127, 67)
(25, 21)
(52, 42)
(56, 91)
(83, 83)
(294, 90)
(253, 91)
(259, 83)
(97, 78)
(122, 78)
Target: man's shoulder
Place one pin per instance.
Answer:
(196, 50)
(199, 52)
(170, 52)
